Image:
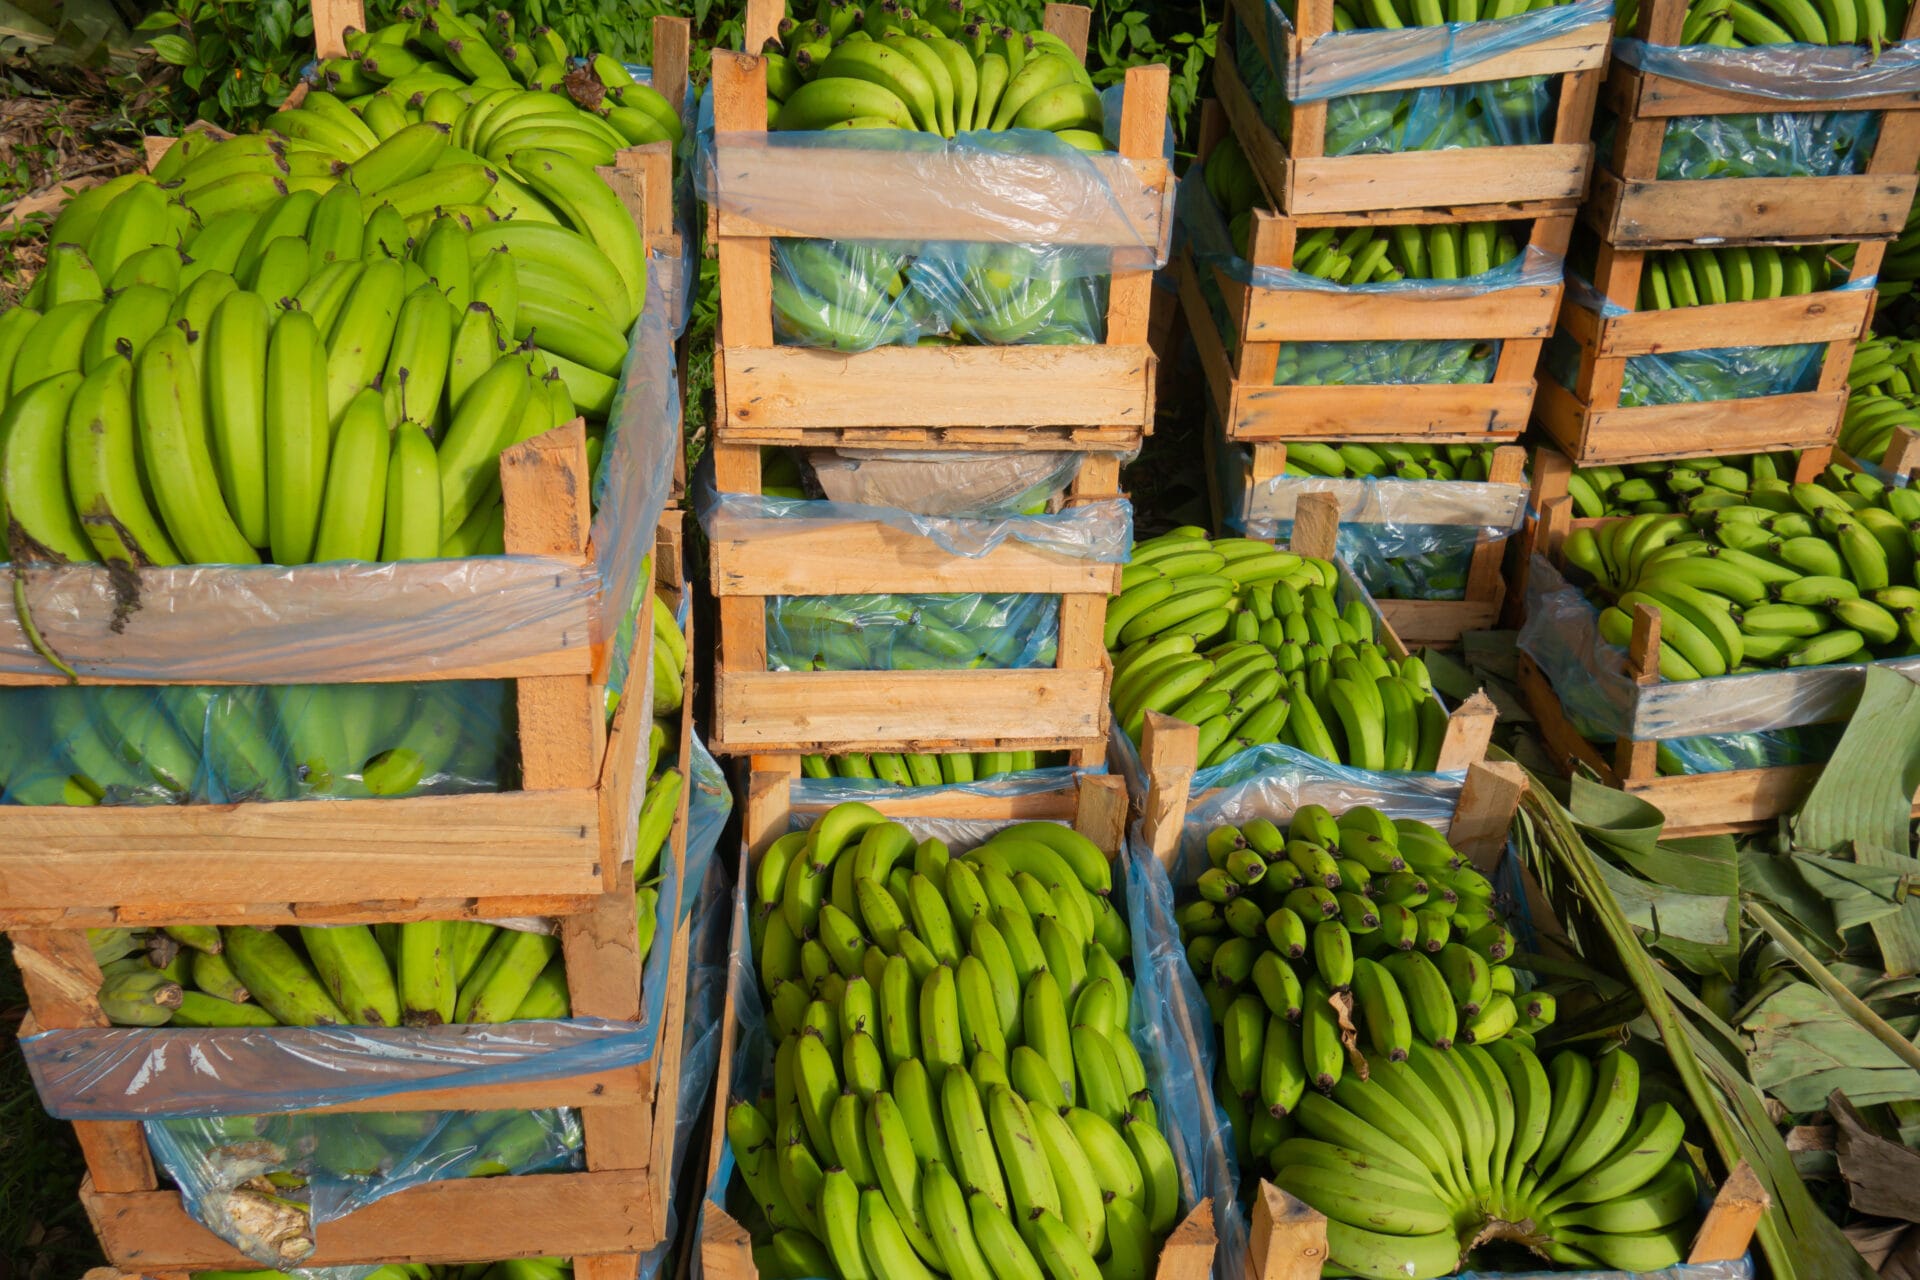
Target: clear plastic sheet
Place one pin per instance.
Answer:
(973, 486)
(1411, 362)
(679, 274)
(1018, 187)
(1790, 72)
(1781, 144)
(896, 632)
(1767, 749)
(1101, 531)
(1739, 1269)
(267, 624)
(1202, 227)
(208, 744)
(1690, 377)
(823, 793)
(1347, 63)
(147, 1073)
(347, 1162)
(1603, 703)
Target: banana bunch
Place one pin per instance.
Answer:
(177, 744)
(511, 1269)
(1901, 266)
(955, 1091)
(1390, 461)
(911, 770)
(1653, 488)
(1441, 251)
(1793, 575)
(946, 632)
(885, 67)
(424, 973)
(224, 362)
(1707, 277)
(1383, 914)
(498, 88)
(1244, 640)
(1884, 387)
(1738, 24)
(1402, 362)
(1365, 15)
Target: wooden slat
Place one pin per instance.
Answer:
(923, 711)
(1659, 215)
(1343, 184)
(1288, 1240)
(762, 559)
(1764, 424)
(785, 387)
(1654, 95)
(1438, 623)
(1580, 49)
(1187, 1254)
(1484, 815)
(331, 19)
(1169, 752)
(560, 1214)
(326, 851)
(1728, 1230)
(1434, 413)
(1278, 315)
(1819, 317)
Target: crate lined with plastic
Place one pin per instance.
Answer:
(596, 1045)
(859, 626)
(1265, 1232)
(1042, 255)
(544, 632)
(1724, 753)
(962, 817)
(1484, 119)
(1290, 354)
(1753, 357)
(1429, 551)
(1775, 144)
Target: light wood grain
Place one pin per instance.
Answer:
(1279, 315)
(924, 711)
(1287, 1239)
(1592, 435)
(1432, 413)
(1641, 214)
(1484, 814)
(1729, 1226)
(1820, 317)
(331, 20)
(1438, 623)
(770, 558)
(787, 387)
(1344, 184)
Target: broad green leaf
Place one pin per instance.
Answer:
(173, 49)
(1805, 1046)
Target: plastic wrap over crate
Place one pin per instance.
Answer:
(215, 744)
(1050, 226)
(1351, 71)
(900, 631)
(1765, 144)
(344, 621)
(1405, 539)
(973, 486)
(813, 793)
(1603, 701)
(679, 274)
(1186, 1114)
(1789, 72)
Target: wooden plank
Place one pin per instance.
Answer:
(1071, 22)
(508, 844)
(1764, 424)
(726, 1250)
(1438, 623)
(1819, 317)
(559, 1214)
(672, 55)
(1671, 214)
(1484, 814)
(1288, 1240)
(922, 711)
(761, 558)
(1169, 753)
(1280, 315)
(1730, 1223)
(1433, 413)
(768, 386)
(1344, 184)
(1469, 731)
(1316, 526)
(331, 19)
(1583, 48)
(1659, 96)
(1187, 1254)
(945, 195)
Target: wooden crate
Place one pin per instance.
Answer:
(1633, 208)
(1467, 184)
(1239, 368)
(603, 1217)
(641, 176)
(1086, 397)
(757, 711)
(1096, 806)
(1589, 424)
(1698, 803)
(1427, 623)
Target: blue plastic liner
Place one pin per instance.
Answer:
(1789, 72)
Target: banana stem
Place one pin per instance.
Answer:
(1876, 1026)
(25, 614)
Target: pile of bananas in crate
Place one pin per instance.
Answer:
(1739, 24)
(1790, 575)
(423, 973)
(1653, 488)
(1884, 396)
(886, 67)
(955, 1088)
(1244, 640)
(511, 1269)
(1387, 460)
(1706, 277)
(929, 770)
(300, 351)
(1435, 1128)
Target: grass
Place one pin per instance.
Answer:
(43, 1231)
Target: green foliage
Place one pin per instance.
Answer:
(236, 63)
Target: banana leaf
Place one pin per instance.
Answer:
(1797, 1238)
(1805, 1047)
(1864, 799)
